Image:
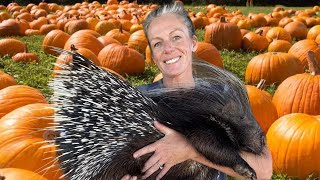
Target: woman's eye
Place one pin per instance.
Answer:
(157, 44)
(176, 38)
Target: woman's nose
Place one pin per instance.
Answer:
(168, 47)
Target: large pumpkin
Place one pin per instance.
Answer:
(294, 142)
(262, 107)
(16, 96)
(16, 173)
(300, 93)
(26, 136)
(274, 67)
(55, 38)
(254, 41)
(138, 41)
(223, 35)
(121, 59)
(6, 80)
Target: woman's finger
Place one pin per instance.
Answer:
(145, 150)
(158, 165)
(163, 172)
(162, 128)
(151, 161)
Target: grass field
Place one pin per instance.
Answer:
(38, 75)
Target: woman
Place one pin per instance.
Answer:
(172, 40)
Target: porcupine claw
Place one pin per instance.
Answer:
(247, 172)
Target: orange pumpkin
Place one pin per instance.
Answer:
(13, 97)
(6, 80)
(262, 107)
(121, 59)
(255, 41)
(11, 47)
(297, 30)
(138, 41)
(279, 46)
(300, 93)
(274, 67)
(294, 143)
(55, 38)
(26, 135)
(313, 32)
(278, 33)
(119, 34)
(25, 57)
(209, 53)
(300, 50)
(223, 35)
(16, 173)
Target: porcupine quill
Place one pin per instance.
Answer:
(103, 120)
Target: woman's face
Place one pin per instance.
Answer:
(172, 46)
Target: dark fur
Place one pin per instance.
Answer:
(215, 117)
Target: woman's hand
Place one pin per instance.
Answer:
(170, 150)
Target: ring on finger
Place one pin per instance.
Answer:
(161, 166)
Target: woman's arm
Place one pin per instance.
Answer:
(174, 148)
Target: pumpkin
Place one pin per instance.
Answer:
(106, 40)
(279, 46)
(300, 50)
(55, 38)
(300, 93)
(297, 30)
(262, 107)
(46, 28)
(138, 41)
(278, 33)
(313, 32)
(264, 29)
(25, 57)
(26, 140)
(284, 21)
(6, 80)
(254, 42)
(223, 35)
(10, 46)
(119, 34)
(121, 59)
(9, 27)
(32, 32)
(157, 77)
(149, 59)
(103, 27)
(84, 40)
(75, 25)
(13, 97)
(294, 143)
(274, 67)
(209, 53)
(16, 173)
(86, 53)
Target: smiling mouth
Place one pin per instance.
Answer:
(171, 61)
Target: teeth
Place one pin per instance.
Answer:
(172, 60)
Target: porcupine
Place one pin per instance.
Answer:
(103, 120)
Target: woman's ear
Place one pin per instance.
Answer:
(194, 43)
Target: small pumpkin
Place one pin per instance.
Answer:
(25, 57)
(10, 46)
(279, 46)
(297, 30)
(55, 38)
(138, 41)
(119, 34)
(255, 42)
(6, 80)
(278, 33)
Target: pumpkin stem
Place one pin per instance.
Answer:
(223, 19)
(261, 84)
(260, 32)
(313, 64)
(137, 18)
(2, 177)
(73, 47)
(120, 28)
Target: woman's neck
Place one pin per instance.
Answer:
(179, 82)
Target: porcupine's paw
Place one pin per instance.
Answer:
(246, 171)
